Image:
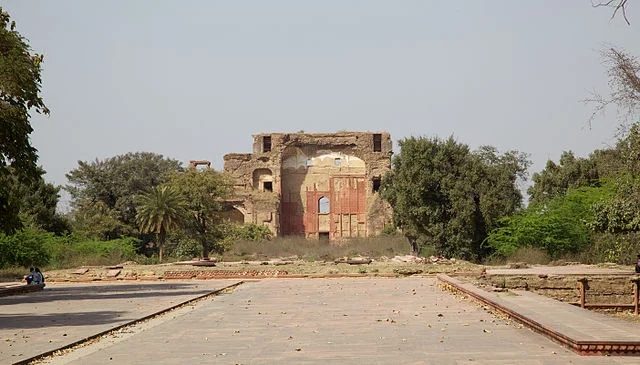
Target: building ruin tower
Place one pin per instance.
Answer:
(316, 185)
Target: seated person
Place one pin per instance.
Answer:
(38, 278)
(29, 278)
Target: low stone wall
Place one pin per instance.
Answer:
(20, 289)
(601, 289)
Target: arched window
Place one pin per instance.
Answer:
(323, 205)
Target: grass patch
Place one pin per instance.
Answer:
(70, 253)
(13, 274)
(529, 255)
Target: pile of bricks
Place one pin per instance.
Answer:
(218, 274)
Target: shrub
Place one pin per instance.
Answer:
(253, 232)
(621, 248)
(389, 230)
(529, 255)
(71, 251)
(187, 248)
(25, 248)
(557, 227)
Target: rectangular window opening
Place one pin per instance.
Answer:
(376, 184)
(267, 186)
(377, 143)
(266, 143)
(323, 236)
(336, 161)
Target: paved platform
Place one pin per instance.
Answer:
(61, 314)
(584, 331)
(335, 321)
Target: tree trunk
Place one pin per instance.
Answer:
(205, 251)
(415, 248)
(161, 238)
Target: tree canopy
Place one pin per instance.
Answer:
(103, 192)
(20, 84)
(160, 211)
(449, 197)
(206, 193)
(556, 179)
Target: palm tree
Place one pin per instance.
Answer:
(160, 211)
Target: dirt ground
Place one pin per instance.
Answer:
(272, 268)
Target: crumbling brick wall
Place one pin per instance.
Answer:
(314, 184)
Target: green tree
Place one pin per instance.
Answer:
(160, 211)
(38, 201)
(446, 196)
(206, 193)
(110, 186)
(24, 248)
(556, 179)
(20, 84)
(97, 221)
(559, 226)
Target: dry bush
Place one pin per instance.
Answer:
(12, 274)
(528, 255)
(313, 250)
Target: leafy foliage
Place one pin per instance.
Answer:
(205, 193)
(24, 248)
(20, 84)
(253, 232)
(555, 179)
(445, 196)
(103, 192)
(160, 211)
(560, 226)
(98, 221)
(35, 202)
(72, 251)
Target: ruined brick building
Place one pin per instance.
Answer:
(316, 185)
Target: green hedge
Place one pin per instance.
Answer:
(35, 248)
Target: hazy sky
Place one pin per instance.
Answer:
(195, 79)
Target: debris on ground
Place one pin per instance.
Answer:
(359, 260)
(409, 259)
(441, 260)
(518, 265)
(408, 271)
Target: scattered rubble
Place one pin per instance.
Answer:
(113, 273)
(408, 271)
(518, 265)
(359, 260)
(410, 259)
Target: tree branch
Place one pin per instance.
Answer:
(617, 5)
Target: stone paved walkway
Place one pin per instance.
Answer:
(61, 314)
(334, 321)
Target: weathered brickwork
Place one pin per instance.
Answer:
(316, 185)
